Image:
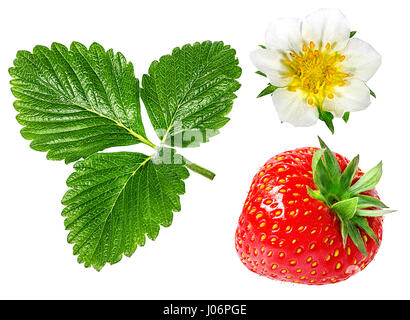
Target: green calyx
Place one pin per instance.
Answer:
(345, 200)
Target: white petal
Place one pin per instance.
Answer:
(361, 61)
(285, 35)
(354, 96)
(269, 62)
(326, 26)
(293, 108)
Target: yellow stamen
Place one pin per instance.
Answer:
(315, 71)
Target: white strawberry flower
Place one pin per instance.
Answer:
(317, 66)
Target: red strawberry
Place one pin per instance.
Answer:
(310, 217)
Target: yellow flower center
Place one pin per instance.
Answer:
(316, 72)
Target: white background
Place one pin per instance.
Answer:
(195, 258)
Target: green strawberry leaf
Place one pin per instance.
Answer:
(368, 202)
(373, 213)
(344, 232)
(357, 239)
(316, 195)
(368, 181)
(317, 156)
(346, 209)
(261, 73)
(331, 162)
(344, 199)
(189, 93)
(322, 178)
(268, 90)
(346, 117)
(327, 118)
(349, 173)
(78, 101)
(352, 34)
(117, 199)
(362, 223)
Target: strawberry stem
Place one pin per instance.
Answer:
(200, 170)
